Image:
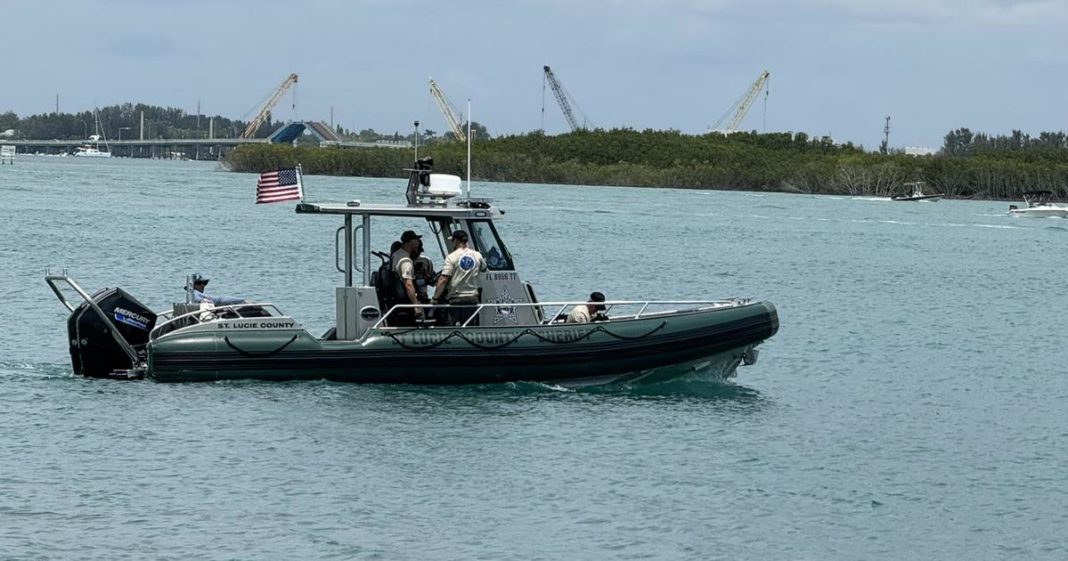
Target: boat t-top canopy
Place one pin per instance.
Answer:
(458, 211)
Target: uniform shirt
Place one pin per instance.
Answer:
(581, 314)
(462, 267)
(402, 265)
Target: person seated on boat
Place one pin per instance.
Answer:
(424, 273)
(200, 283)
(404, 266)
(494, 259)
(590, 311)
(458, 280)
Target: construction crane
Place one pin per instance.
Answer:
(265, 109)
(564, 99)
(448, 110)
(738, 111)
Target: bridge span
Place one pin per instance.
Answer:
(181, 148)
(191, 148)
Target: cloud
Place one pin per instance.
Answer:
(923, 12)
(967, 12)
(144, 46)
(691, 6)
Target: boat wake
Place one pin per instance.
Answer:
(35, 370)
(683, 387)
(999, 226)
(693, 385)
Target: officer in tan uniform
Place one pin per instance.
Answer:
(460, 273)
(405, 269)
(590, 311)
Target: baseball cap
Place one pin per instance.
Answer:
(408, 236)
(198, 278)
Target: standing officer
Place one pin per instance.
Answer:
(405, 269)
(460, 272)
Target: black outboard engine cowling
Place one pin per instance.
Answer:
(93, 350)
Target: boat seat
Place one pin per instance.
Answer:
(539, 312)
(181, 308)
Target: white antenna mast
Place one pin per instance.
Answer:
(469, 139)
(417, 140)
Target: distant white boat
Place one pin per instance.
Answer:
(91, 152)
(917, 194)
(1039, 205)
(94, 151)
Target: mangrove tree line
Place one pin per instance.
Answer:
(968, 166)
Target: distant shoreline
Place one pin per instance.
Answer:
(781, 163)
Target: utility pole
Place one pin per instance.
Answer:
(57, 104)
(331, 117)
(884, 148)
(196, 150)
(543, 103)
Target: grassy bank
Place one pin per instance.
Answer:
(745, 161)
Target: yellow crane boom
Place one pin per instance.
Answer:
(741, 107)
(452, 116)
(265, 110)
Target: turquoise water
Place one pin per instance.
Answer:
(912, 405)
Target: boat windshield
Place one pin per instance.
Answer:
(489, 244)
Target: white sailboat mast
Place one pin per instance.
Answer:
(469, 139)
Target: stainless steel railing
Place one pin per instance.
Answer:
(633, 309)
(197, 316)
(119, 339)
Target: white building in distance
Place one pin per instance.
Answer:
(920, 151)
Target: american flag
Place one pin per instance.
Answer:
(279, 185)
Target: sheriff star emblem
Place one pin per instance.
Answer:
(504, 313)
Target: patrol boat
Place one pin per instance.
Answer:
(511, 337)
(917, 194)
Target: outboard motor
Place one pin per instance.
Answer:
(94, 352)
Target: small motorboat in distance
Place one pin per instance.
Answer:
(916, 193)
(510, 337)
(1039, 205)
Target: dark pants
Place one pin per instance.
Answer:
(402, 318)
(465, 307)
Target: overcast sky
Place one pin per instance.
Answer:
(838, 67)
